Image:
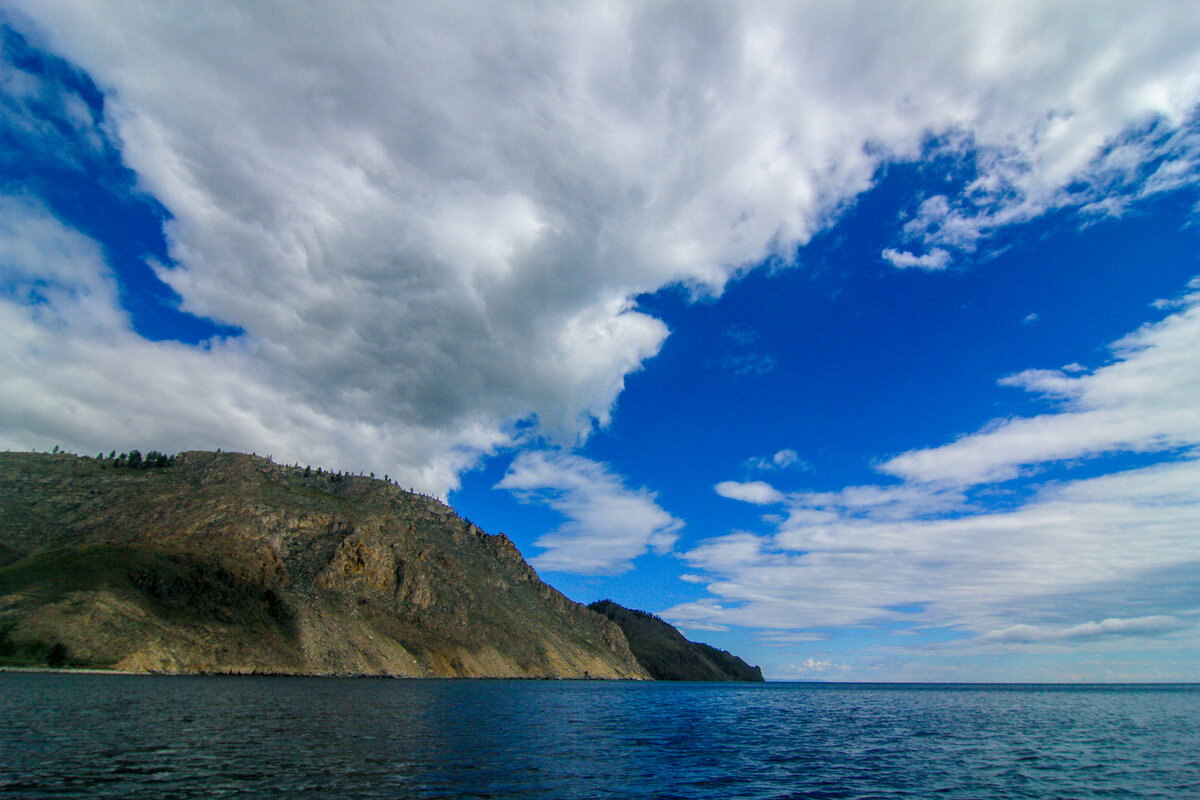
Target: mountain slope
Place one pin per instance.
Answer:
(667, 655)
(225, 562)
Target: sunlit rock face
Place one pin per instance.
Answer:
(225, 562)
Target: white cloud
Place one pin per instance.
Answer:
(746, 364)
(753, 365)
(808, 669)
(1141, 626)
(72, 371)
(430, 219)
(785, 458)
(1121, 546)
(607, 524)
(757, 492)
(702, 626)
(782, 459)
(785, 638)
(39, 111)
(52, 275)
(935, 259)
(1173, 303)
(743, 335)
(1081, 562)
(1015, 185)
(1144, 401)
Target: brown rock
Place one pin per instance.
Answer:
(223, 562)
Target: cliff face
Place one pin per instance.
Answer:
(667, 655)
(224, 562)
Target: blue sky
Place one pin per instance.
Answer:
(860, 339)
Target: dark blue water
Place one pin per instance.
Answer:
(118, 736)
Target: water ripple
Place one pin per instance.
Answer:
(102, 736)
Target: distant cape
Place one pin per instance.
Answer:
(667, 655)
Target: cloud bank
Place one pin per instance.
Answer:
(1087, 560)
(429, 220)
(1145, 401)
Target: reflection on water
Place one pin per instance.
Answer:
(114, 736)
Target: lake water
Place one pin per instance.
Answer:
(117, 736)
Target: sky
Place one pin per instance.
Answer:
(860, 339)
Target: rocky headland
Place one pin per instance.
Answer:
(667, 655)
(230, 563)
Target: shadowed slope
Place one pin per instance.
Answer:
(667, 655)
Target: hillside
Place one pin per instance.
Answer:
(225, 562)
(667, 655)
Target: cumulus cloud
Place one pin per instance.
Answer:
(936, 259)
(430, 220)
(785, 458)
(607, 524)
(757, 492)
(72, 367)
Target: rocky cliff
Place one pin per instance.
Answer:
(667, 655)
(224, 562)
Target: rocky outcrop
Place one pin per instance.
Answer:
(667, 655)
(225, 562)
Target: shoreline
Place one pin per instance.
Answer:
(825, 684)
(350, 675)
